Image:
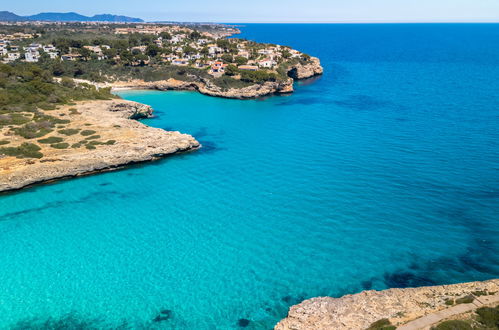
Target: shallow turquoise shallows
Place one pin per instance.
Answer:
(382, 173)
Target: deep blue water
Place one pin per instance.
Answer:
(382, 173)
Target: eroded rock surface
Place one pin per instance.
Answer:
(123, 141)
(296, 72)
(359, 311)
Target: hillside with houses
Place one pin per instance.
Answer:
(150, 52)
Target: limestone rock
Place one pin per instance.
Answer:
(359, 311)
(304, 71)
(133, 142)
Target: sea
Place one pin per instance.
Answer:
(382, 173)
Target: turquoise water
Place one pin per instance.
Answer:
(382, 173)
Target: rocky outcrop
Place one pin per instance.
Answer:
(308, 70)
(124, 141)
(130, 110)
(250, 92)
(206, 86)
(359, 311)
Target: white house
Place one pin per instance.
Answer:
(32, 56)
(141, 49)
(212, 50)
(267, 63)
(295, 53)
(49, 48)
(177, 38)
(180, 61)
(218, 68)
(168, 57)
(96, 50)
(70, 57)
(243, 53)
(13, 56)
(265, 52)
(193, 56)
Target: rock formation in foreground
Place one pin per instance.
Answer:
(400, 306)
(101, 135)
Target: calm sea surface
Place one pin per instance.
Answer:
(382, 173)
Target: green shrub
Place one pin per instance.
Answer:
(32, 131)
(76, 145)
(46, 106)
(226, 82)
(90, 146)
(51, 140)
(383, 324)
(93, 137)
(25, 150)
(453, 325)
(489, 316)
(259, 76)
(60, 145)
(69, 131)
(4, 142)
(13, 119)
(465, 300)
(87, 132)
(449, 302)
(110, 142)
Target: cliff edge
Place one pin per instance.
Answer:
(399, 306)
(96, 135)
(296, 71)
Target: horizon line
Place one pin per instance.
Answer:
(341, 22)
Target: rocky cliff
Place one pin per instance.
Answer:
(101, 135)
(205, 86)
(359, 311)
(303, 71)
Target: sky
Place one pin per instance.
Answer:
(238, 11)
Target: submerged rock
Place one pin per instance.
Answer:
(243, 323)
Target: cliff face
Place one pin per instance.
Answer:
(359, 311)
(131, 110)
(208, 88)
(204, 86)
(116, 141)
(304, 71)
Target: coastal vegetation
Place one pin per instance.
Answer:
(28, 93)
(383, 324)
(24, 87)
(114, 52)
(484, 318)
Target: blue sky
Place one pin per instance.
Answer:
(277, 10)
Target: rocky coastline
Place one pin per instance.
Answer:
(295, 72)
(128, 142)
(404, 308)
(115, 121)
